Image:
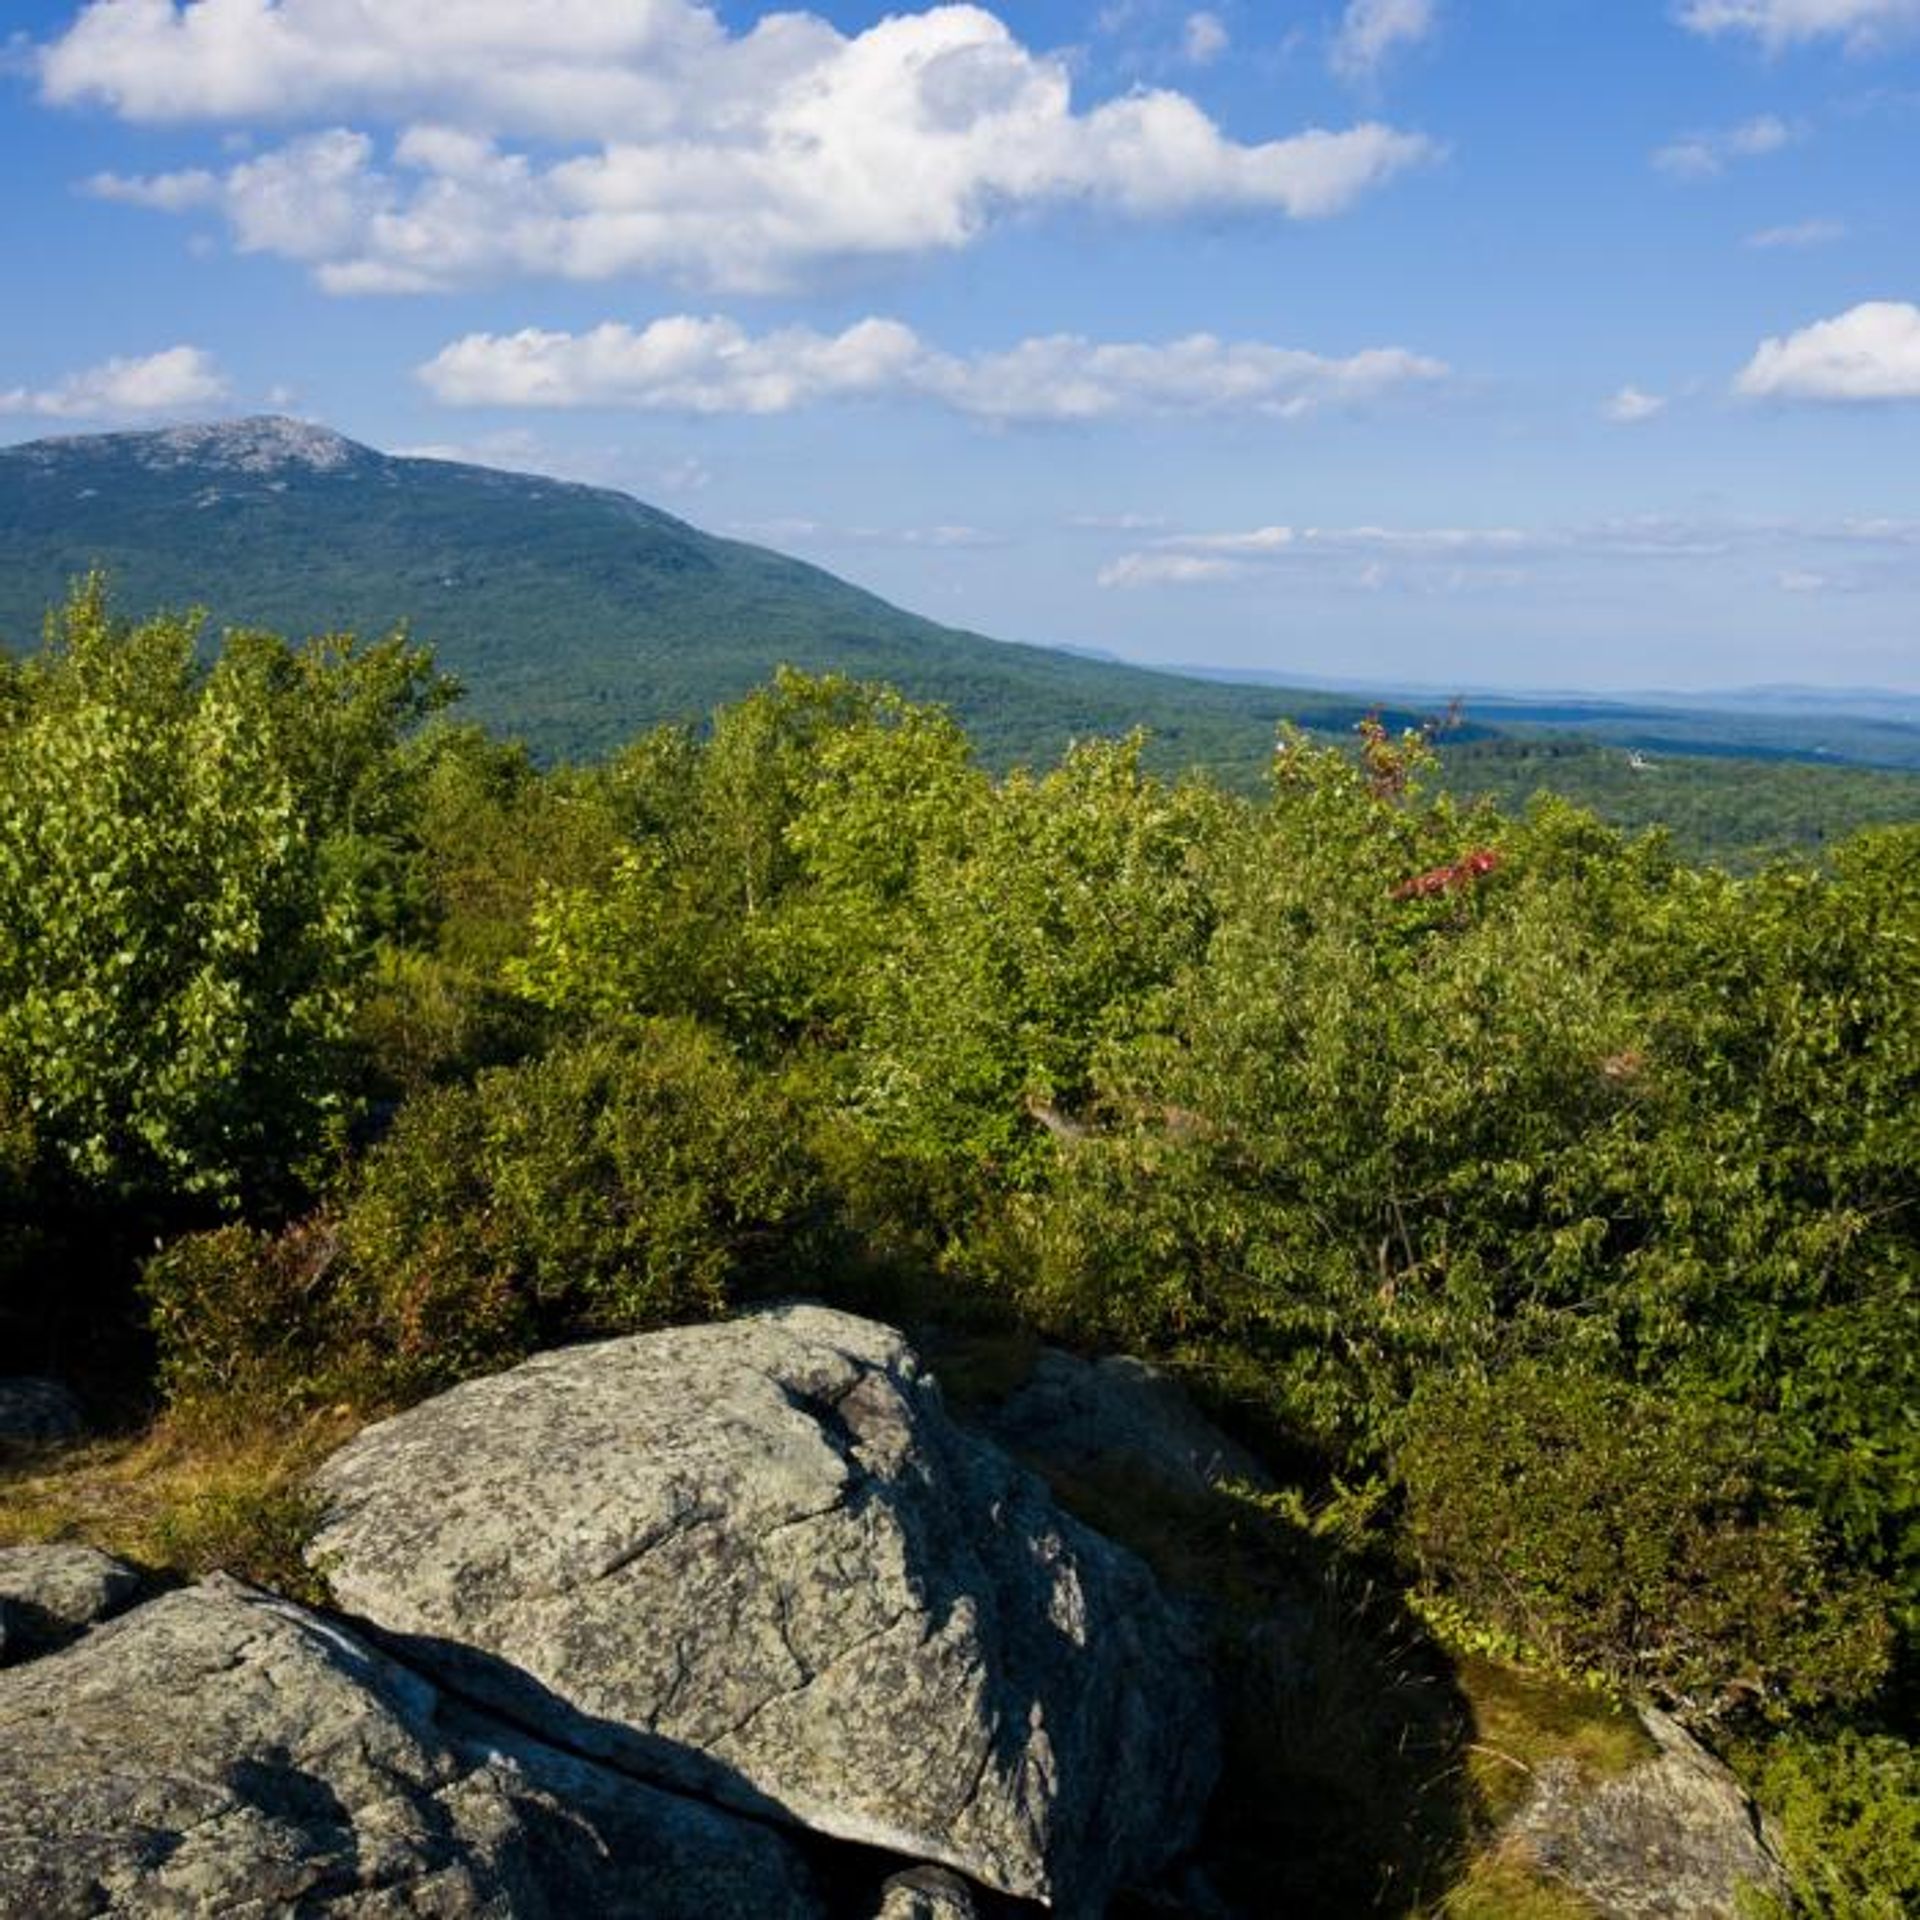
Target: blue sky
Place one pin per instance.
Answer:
(1467, 342)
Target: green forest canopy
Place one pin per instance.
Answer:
(1550, 1198)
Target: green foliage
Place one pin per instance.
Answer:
(258, 1529)
(1043, 932)
(607, 1186)
(1737, 813)
(246, 1323)
(187, 884)
(1636, 1534)
(669, 929)
(1550, 1201)
(1847, 1812)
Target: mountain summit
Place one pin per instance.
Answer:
(259, 443)
(575, 615)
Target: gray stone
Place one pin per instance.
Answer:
(37, 1413)
(757, 1560)
(926, 1893)
(48, 1594)
(1119, 1411)
(221, 1751)
(1672, 1838)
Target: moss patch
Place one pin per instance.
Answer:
(1522, 1720)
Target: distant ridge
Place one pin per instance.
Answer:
(574, 615)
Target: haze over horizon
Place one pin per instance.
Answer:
(1532, 343)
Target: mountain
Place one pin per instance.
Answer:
(574, 615)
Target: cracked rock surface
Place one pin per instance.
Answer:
(49, 1594)
(1673, 1838)
(757, 1560)
(221, 1751)
(1118, 1412)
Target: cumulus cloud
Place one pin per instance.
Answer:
(559, 69)
(1870, 352)
(176, 380)
(164, 192)
(734, 161)
(1371, 30)
(1802, 233)
(1705, 156)
(1860, 25)
(1630, 406)
(710, 365)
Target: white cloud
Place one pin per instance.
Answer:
(164, 192)
(1468, 559)
(561, 69)
(689, 364)
(1630, 406)
(1802, 233)
(717, 160)
(1167, 569)
(1705, 156)
(1862, 25)
(1116, 522)
(1870, 352)
(1204, 39)
(690, 474)
(177, 380)
(1269, 542)
(1371, 30)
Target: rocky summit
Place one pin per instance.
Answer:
(723, 1620)
(758, 1561)
(218, 1751)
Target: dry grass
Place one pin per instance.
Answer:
(1501, 1886)
(181, 1503)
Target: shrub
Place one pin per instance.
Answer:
(610, 1185)
(1637, 1535)
(245, 1322)
(1848, 1817)
(191, 859)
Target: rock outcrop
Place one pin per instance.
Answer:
(1117, 1413)
(1673, 1838)
(221, 1751)
(926, 1893)
(37, 1413)
(50, 1594)
(756, 1561)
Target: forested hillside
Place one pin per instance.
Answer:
(1541, 1206)
(575, 616)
